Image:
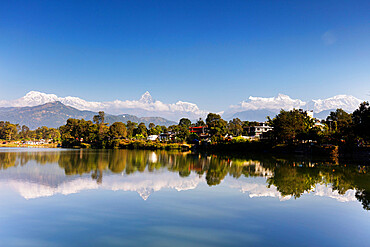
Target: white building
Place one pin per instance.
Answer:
(152, 137)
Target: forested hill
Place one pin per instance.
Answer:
(55, 114)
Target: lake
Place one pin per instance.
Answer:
(62, 197)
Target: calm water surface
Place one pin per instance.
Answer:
(58, 197)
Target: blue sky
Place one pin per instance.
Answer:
(212, 53)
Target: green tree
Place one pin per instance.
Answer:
(8, 131)
(141, 130)
(151, 125)
(217, 126)
(25, 132)
(235, 127)
(361, 120)
(155, 130)
(131, 126)
(200, 122)
(99, 119)
(339, 124)
(183, 132)
(288, 125)
(118, 130)
(184, 122)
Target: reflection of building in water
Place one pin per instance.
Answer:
(257, 168)
(146, 172)
(153, 157)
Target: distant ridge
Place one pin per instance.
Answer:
(252, 109)
(146, 106)
(257, 108)
(55, 114)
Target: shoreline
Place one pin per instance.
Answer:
(327, 152)
(28, 146)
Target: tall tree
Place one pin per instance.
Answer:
(342, 120)
(184, 122)
(117, 130)
(217, 126)
(235, 127)
(151, 125)
(25, 131)
(99, 119)
(288, 125)
(130, 128)
(141, 130)
(200, 122)
(361, 120)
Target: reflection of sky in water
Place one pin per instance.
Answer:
(52, 181)
(41, 206)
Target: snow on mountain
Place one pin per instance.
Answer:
(36, 98)
(255, 107)
(146, 106)
(274, 103)
(324, 191)
(144, 184)
(146, 98)
(31, 182)
(261, 104)
(147, 183)
(346, 102)
(258, 188)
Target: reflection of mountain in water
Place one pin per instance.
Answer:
(143, 184)
(39, 174)
(259, 189)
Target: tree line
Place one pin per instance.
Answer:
(288, 127)
(338, 128)
(100, 134)
(15, 132)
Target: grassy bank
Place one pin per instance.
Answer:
(14, 145)
(135, 144)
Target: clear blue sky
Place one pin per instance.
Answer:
(213, 53)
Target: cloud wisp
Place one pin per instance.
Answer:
(329, 38)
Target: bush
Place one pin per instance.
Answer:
(85, 145)
(239, 139)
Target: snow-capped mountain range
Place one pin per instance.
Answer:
(146, 106)
(260, 107)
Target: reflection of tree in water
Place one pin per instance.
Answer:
(363, 196)
(78, 163)
(294, 181)
(290, 177)
(341, 178)
(216, 172)
(8, 160)
(14, 159)
(117, 163)
(362, 184)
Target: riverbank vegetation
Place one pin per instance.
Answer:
(292, 131)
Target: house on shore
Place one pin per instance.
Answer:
(201, 131)
(259, 130)
(152, 137)
(166, 136)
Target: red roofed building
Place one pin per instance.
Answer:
(201, 131)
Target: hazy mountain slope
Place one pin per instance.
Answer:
(257, 108)
(55, 114)
(323, 114)
(146, 106)
(254, 108)
(255, 115)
